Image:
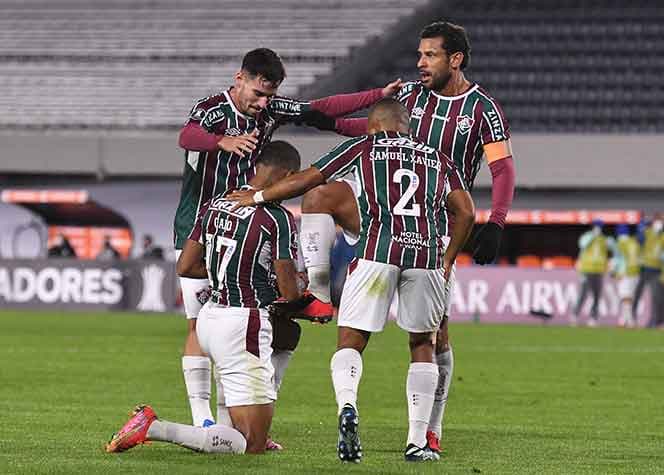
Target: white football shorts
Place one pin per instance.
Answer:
(195, 292)
(239, 341)
(370, 287)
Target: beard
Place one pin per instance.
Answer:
(439, 82)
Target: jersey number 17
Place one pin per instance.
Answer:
(224, 247)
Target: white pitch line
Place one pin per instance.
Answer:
(562, 349)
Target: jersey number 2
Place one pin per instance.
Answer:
(414, 182)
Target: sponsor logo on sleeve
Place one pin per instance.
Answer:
(285, 106)
(212, 117)
(198, 114)
(405, 91)
(496, 126)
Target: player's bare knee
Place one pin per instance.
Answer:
(417, 340)
(318, 200)
(421, 347)
(352, 338)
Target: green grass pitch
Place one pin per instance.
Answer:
(524, 400)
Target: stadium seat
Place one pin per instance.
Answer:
(464, 260)
(529, 261)
(558, 262)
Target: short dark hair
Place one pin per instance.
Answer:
(280, 154)
(455, 39)
(392, 107)
(265, 63)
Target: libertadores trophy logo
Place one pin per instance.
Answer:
(152, 299)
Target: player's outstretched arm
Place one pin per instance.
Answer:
(351, 127)
(321, 113)
(340, 105)
(336, 107)
(293, 185)
(461, 205)
(195, 138)
(501, 164)
(190, 263)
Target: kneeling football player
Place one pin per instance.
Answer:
(240, 251)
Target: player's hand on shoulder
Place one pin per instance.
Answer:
(317, 119)
(392, 88)
(241, 198)
(239, 144)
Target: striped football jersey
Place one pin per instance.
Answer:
(458, 126)
(240, 247)
(404, 185)
(207, 174)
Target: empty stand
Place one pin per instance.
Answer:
(556, 66)
(116, 94)
(559, 66)
(125, 64)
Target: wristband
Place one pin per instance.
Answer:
(258, 197)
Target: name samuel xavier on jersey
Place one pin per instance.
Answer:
(404, 142)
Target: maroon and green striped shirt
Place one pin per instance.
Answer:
(207, 174)
(240, 247)
(458, 126)
(404, 186)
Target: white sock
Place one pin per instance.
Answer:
(316, 239)
(280, 361)
(445, 362)
(196, 370)
(212, 439)
(346, 366)
(223, 416)
(420, 388)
